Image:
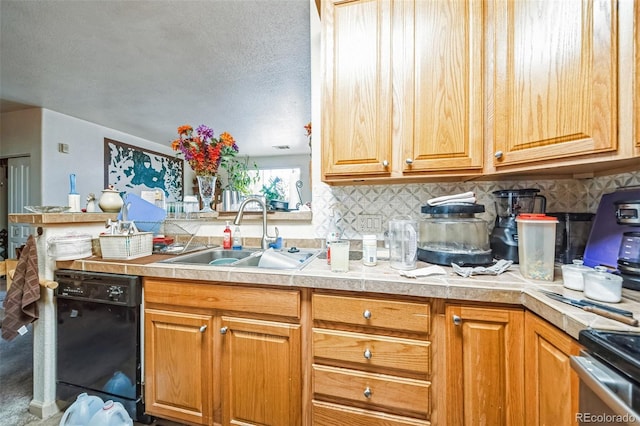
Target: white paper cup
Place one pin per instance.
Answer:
(340, 256)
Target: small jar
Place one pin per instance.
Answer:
(602, 286)
(369, 250)
(572, 275)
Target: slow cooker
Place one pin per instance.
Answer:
(450, 233)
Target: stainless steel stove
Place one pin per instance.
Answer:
(609, 371)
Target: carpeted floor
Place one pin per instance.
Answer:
(16, 380)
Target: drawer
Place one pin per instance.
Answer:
(326, 414)
(386, 392)
(362, 311)
(373, 351)
(210, 295)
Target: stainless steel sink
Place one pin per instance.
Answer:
(215, 256)
(292, 259)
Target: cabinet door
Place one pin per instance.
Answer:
(356, 114)
(552, 386)
(555, 79)
(485, 366)
(437, 75)
(178, 365)
(261, 372)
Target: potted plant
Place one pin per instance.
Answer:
(239, 181)
(274, 194)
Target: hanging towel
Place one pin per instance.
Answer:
(465, 197)
(21, 302)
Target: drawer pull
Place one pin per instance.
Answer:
(367, 393)
(367, 354)
(366, 314)
(457, 320)
(203, 328)
(224, 330)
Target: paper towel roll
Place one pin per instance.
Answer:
(74, 202)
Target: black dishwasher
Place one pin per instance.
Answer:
(98, 338)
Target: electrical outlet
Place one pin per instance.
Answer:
(369, 223)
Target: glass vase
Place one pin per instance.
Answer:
(206, 187)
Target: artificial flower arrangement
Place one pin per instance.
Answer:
(202, 151)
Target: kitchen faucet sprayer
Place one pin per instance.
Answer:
(266, 238)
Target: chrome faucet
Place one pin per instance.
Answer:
(266, 239)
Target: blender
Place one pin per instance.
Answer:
(509, 204)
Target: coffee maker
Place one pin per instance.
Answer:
(509, 204)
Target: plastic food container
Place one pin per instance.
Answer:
(572, 275)
(602, 286)
(69, 247)
(536, 245)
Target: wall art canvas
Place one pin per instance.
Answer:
(132, 169)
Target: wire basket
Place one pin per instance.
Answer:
(126, 247)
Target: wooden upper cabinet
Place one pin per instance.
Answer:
(554, 88)
(437, 75)
(356, 115)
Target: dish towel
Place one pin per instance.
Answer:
(499, 267)
(465, 197)
(21, 302)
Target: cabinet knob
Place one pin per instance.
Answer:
(366, 314)
(224, 330)
(367, 354)
(409, 161)
(203, 328)
(498, 154)
(367, 393)
(457, 320)
(385, 163)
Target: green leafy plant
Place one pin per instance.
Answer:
(238, 176)
(274, 191)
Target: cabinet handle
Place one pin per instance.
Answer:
(498, 154)
(366, 314)
(224, 330)
(457, 320)
(385, 163)
(409, 161)
(367, 392)
(203, 328)
(367, 354)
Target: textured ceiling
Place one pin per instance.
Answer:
(146, 67)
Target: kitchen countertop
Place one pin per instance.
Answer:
(508, 288)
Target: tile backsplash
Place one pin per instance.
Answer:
(564, 195)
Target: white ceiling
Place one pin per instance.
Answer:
(145, 67)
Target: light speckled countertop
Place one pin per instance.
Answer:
(507, 288)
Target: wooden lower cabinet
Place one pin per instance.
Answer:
(218, 355)
(178, 365)
(485, 365)
(260, 372)
(551, 385)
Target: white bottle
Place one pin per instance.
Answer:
(237, 239)
(369, 250)
(333, 234)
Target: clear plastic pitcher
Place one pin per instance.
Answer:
(81, 411)
(111, 414)
(403, 242)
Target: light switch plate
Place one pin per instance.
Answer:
(369, 223)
